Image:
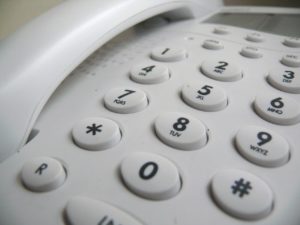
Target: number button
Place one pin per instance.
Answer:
(125, 100)
(291, 60)
(204, 97)
(150, 73)
(180, 131)
(212, 45)
(96, 133)
(293, 42)
(221, 70)
(150, 176)
(251, 52)
(262, 146)
(168, 54)
(255, 37)
(278, 110)
(285, 80)
(43, 174)
(242, 194)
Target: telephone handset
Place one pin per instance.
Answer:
(189, 117)
(35, 61)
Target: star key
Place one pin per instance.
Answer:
(94, 129)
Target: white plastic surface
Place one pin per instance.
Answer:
(96, 174)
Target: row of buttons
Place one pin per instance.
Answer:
(168, 54)
(286, 80)
(293, 42)
(154, 177)
(207, 97)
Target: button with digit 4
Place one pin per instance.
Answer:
(149, 73)
(221, 70)
(96, 133)
(150, 176)
(180, 131)
(262, 146)
(206, 97)
(287, 80)
(277, 109)
(43, 174)
(168, 54)
(242, 194)
(125, 100)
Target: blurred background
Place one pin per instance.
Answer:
(15, 13)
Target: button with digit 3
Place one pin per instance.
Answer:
(285, 80)
(181, 131)
(278, 110)
(221, 70)
(262, 146)
(206, 97)
(150, 176)
(125, 100)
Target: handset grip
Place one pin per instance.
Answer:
(37, 58)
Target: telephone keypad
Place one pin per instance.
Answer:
(96, 133)
(150, 176)
(262, 146)
(181, 131)
(203, 96)
(43, 174)
(126, 100)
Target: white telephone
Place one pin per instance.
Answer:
(191, 117)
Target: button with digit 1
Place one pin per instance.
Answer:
(180, 131)
(277, 109)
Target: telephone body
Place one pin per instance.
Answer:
(197, 113)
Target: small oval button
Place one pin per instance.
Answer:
(150, 176)
(43, 174)
(85, 211)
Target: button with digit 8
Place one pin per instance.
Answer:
(181, 131)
